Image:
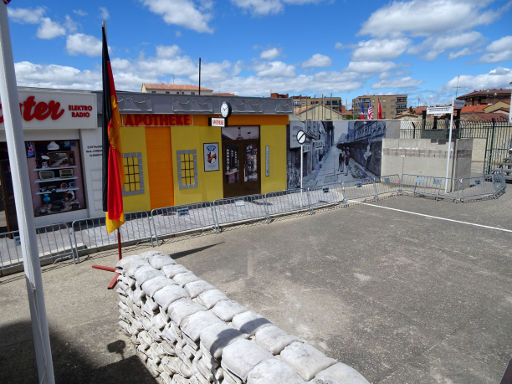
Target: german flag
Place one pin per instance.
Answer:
(113, 172)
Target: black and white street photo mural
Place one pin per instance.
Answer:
(335, 151)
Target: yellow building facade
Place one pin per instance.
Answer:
(176, 159)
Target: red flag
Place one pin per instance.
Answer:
(380, 111)
(362, 111)
(113, 171)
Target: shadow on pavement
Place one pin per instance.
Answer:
(181, 254)
(17, 361)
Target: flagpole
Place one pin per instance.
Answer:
(23, 201)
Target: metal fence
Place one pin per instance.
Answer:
(91, 234)
(53, 242)
(360, 190)
(328, 194)
(289, 201)
(182, 218)
(388, 185)
(88, 235)
(239, 209)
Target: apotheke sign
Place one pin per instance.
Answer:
(56, 110)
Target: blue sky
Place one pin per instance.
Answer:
(430, 50)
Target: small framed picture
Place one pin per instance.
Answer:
(211, 156)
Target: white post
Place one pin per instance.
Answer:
(23, 201)
(449, 149)
(301, 169)
(510, 108)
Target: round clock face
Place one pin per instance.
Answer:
(225, 109)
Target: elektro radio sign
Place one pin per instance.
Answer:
(56, 110)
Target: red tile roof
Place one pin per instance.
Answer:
(175, 87)
(473, 108)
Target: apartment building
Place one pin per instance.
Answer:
(392, 105)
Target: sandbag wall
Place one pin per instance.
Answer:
(187, 331)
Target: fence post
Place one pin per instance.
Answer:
(344, 200)
(215, 218)
(75, 247)
(265, 206)
(375, 189)
(491, 150)
(311, 210)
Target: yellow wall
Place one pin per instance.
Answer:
(209, 184)
(160, 175)
(155, 143)
(133, 139)
(275, 137)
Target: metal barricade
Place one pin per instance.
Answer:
(328, 194)
(475, 187)
(239, 209)
(91, 234)
(363, 189)
(499, 182)
(420, 185)
(53, 244)
(182, 218)
(291, 200)
(388, 185)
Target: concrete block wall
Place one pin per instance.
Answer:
(187, 331)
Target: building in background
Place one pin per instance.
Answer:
(486, 97)
(316, 112)
(335, 103)
(175, 89)
(392, 105)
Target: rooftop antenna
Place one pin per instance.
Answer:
(199, 76)
(457, 87)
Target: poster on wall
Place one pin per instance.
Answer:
(335, 151)
(211, 156)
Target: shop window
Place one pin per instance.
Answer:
(55, 175)
(133, 175)
(187, 169)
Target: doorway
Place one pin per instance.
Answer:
(241, 154)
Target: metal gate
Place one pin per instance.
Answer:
(498, 141)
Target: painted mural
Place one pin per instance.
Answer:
(335, 151)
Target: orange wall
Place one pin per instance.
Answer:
(160, 174)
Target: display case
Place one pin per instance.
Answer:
(56, 177)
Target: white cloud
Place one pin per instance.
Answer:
(56, 76)
(463, 52)
(384, 49)
(496, 78)
(260, 7)
(404, 82)
(370, 66)
(267, 7)
(340, 46)
(26, 15)
(275, 69)
(498, 50)
(70, 24)
(317, 60)
(184, 13)
(423, 18)
(167, 51)
(79, 12)
(49, 29)
(435, 45)
(81, 44)
(270, 54)
(104, 14)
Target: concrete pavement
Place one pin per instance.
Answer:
(402, 298)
